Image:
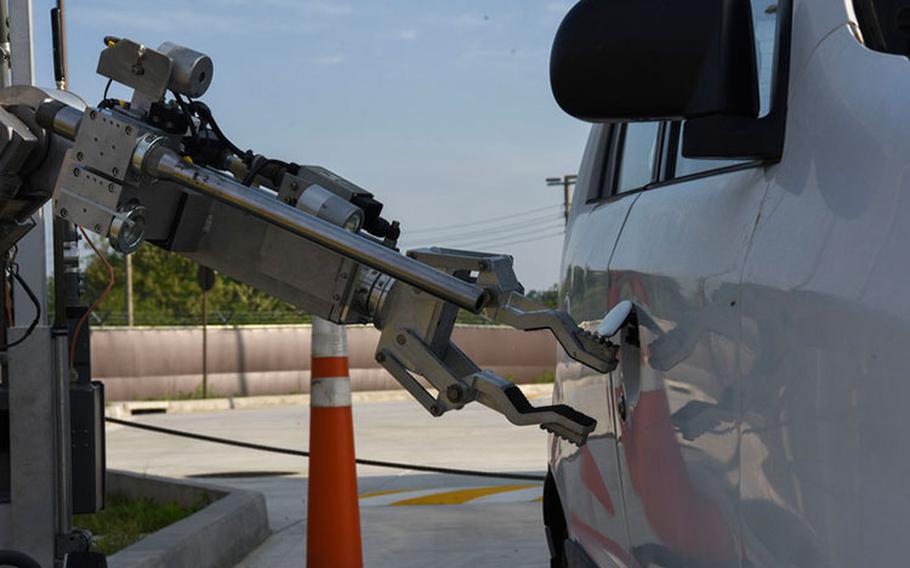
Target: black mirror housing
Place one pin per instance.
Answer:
(634, 60)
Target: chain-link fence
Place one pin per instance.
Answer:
(108, 318)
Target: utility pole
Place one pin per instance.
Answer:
(128, 289)
(566, 182)
(205, 277)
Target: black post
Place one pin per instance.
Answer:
(205, 277)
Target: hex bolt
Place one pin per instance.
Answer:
(454, 393)
(76, 172)
(401, 339)
(128, 130)
(111, 187)
(434, 410)
(79, 156)
(92, 114)
(97, 227)
(64, 212)
(115, 171)
(380, 358)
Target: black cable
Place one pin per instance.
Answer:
(259, 166)
(105, 101)
(303, 453)
(185, 107)
(17, 559)
(34, 299)
(205, 115)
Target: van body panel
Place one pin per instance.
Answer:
(826, 320)
(679, 260)
(758, 419)
(588, 478)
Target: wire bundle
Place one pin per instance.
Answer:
(526, 226)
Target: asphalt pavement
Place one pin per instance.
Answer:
(408, 518)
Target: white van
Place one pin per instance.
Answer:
(747, 186)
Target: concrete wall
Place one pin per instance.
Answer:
(143, 362)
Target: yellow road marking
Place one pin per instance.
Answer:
(460, 496)
(384, 492)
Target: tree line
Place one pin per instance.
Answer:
(166, 292)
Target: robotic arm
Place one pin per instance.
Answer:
(163, 172)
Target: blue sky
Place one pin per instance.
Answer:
(442, 109)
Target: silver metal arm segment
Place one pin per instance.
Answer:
(298, 234)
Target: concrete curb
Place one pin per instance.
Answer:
(219, 535)
(127, 409)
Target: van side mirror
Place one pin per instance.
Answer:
(622, 60)
(637, 60)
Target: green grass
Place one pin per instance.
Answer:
(546, 378)
(125, 520)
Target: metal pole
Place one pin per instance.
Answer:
(4, 44)
(58, 26)
(205, 326)
(164, 163)
(34, 369)
(22, 60)
(60, 275)
(64, 501)
(128, 289)
(32, 247)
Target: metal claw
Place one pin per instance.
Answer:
(507, 399)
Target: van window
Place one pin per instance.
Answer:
(589, 183)
(635, 167)
(764, 18)
(883, 25)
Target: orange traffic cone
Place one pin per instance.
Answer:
(333, 514)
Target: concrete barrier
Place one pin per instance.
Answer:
(219, 535)
(142, 363)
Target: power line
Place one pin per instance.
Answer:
(521, 241)
(492, 234)
(484, 221)
(498, 228)
(510, 235)
(489, 246)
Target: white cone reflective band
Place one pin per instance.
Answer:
(330, 385)
(329, 339)
(329, 393)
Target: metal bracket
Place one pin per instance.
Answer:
(416, 340)
(510, 306)
(94, 171)
(136, 66)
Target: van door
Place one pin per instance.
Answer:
(587, 478)
(680, 259)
